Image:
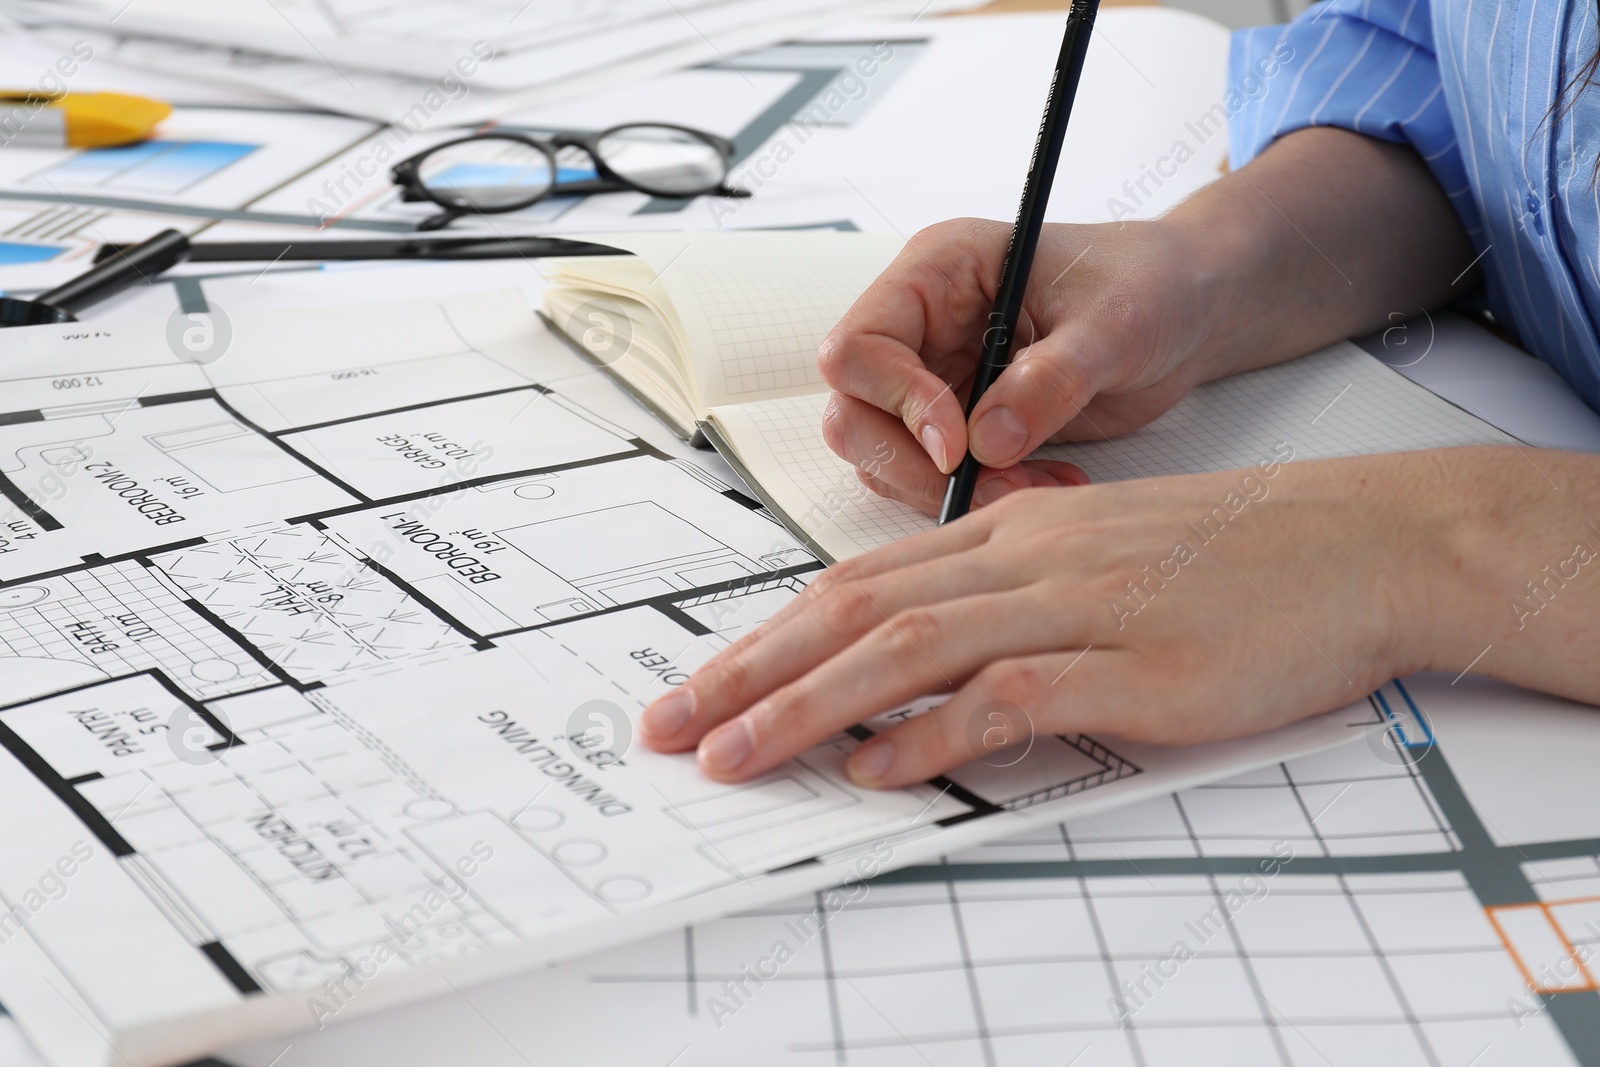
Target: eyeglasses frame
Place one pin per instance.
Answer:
(406, 173)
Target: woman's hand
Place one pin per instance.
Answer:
(1113, 318)
(1175, 609)
(1170, 610)
(1326, 235)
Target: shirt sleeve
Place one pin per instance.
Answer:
(1362, 65)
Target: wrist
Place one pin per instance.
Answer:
(1445, 555)
(1500, 554)
(1218, 275)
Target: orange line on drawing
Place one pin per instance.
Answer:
(1588, 985)
(1516, 957)
(1572, 950)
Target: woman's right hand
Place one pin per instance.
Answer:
(1113, 321)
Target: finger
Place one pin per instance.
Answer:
(835, 610)
(927, 505)
(931, 544)
(662, 725)
(1112, 414)
(993, 485)
(1013, 702)
(885, 373)
(913, 652)
(908, 552)
(879, 445)
(1044, 388)
(671, 722)
(876, 352)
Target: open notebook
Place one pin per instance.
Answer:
(723, 328)
(692, 321)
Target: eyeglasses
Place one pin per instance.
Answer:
(495, 172)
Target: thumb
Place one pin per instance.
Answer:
(1045, 386)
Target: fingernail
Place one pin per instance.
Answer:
(990, 491)
(933, 444)
(999, 436)
(668, 716)
(724, 750)
(871, 762)
(1049, 480)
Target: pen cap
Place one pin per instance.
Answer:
(140, 263)
(18, 312)
(97, 119)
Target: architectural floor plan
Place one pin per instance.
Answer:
(1427, 899)
(323, 657)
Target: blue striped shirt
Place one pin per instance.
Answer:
(1469, 84)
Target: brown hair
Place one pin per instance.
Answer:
(1567, 99)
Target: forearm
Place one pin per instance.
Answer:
(1326, 235)
(1511, 586)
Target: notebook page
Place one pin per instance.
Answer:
(1336, 402)
(754, 305)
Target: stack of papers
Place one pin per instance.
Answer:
(859, 126)
(478, 60)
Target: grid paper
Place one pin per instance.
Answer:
(767, 315)
(1333, 403)
(791, 428)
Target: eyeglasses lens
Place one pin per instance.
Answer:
(488, 173)
(663, 160)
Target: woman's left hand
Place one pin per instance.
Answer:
(1170, 610)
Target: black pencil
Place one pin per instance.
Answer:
(1024, 239)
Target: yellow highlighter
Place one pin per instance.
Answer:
(77, 120)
